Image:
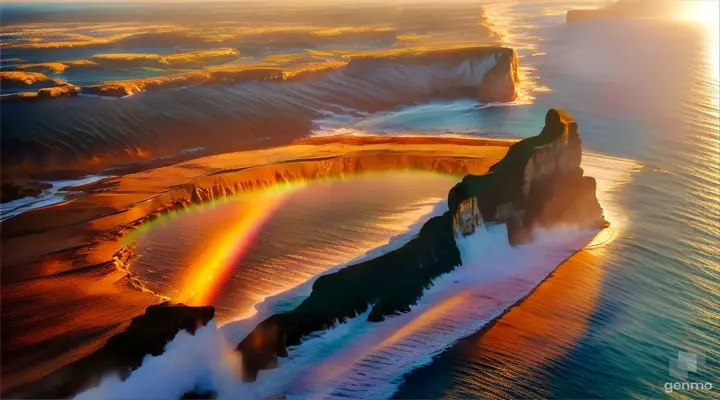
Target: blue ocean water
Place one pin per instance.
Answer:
(645, 90)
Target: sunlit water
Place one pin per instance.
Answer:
(236, 253)
(655, 288)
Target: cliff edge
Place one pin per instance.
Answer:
(147, 334)
(539, 183)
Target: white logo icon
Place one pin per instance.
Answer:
(685, 362)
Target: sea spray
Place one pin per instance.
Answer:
(359, 358)
(198, 362)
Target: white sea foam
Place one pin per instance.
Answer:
(190, 362)
(53, 195)
(367, 360)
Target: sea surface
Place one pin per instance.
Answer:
(644, 90)
(605, 324)
(292, 234)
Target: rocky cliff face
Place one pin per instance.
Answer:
(282, 101)
(500, 83)
(147, 334)
(538, 183)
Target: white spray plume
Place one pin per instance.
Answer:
(190, 362)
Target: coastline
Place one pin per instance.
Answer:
(76, 259)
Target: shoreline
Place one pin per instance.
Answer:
(76, 259)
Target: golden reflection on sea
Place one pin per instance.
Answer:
(533, 334)
(707, 14)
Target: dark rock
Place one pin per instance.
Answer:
(389, 284)
(200, 395)
(15, 189)
(147, 334)
(538, 183)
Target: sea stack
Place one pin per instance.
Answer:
(539, 183)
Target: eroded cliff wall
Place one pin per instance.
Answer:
(265, 107)
(538, 183)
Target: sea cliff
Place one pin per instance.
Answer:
(539, 183)
(71, 260)
(147, 334)
(234, 107)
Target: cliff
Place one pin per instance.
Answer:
(539, 182)
(147, 334)
(71, 262)
(490, 73)
(283, 101)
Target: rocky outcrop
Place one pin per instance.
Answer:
(16, 189)
(147, 334)
(586, 15)
(20, 80)
(467, 217)
(488, 73)
(389, 285)
(500, 83)
(539, 182)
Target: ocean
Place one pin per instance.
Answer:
(642, 90)
(608, 323)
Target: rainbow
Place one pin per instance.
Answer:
(201, 282)
(210, 269)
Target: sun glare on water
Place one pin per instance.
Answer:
(706, 12)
